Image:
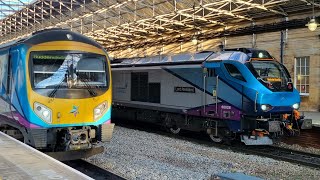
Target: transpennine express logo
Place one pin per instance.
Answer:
(75, 110)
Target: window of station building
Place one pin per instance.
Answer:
(234, 71)
(302, 74)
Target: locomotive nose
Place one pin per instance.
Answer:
(280, 101)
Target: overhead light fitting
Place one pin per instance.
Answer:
(312, 24)
(194, 40)
(129, 48)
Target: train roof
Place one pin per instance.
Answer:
(183, 58)
(8, 44)
(253, 53)
(54, 34)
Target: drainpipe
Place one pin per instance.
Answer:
(281, 46)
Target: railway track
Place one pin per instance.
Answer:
(278, 153)
(297, 157)
(92, 170)
(307, 138)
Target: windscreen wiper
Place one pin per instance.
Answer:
(54, 91)
(87, 85)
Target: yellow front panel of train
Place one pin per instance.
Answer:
(68, 111)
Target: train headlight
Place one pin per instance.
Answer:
(100, 110)
(296, 106)
(266, 107)
(43, 112)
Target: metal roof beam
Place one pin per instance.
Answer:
(62, 4)
(311, 2)
(202, 18)
(155, 26)
(52, 7)
(261, 6)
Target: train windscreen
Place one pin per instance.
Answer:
(68, 70)
(272, 74)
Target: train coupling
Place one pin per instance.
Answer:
(302, 123)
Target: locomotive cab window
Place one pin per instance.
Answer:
(271, 74)
(68, 71)
(234, 71)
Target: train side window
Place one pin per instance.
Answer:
(210, 72)
(4, 68)
(234, 71)
(5, 72)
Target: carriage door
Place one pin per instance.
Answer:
(211, 97)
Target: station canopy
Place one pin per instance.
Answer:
(119, 24)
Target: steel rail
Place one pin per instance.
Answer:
(92, 170)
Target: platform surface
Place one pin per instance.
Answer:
(20, 161)
(315, 116)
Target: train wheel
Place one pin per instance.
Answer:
(174, 130)
(215, 139)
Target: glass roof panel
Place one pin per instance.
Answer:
(9, 7)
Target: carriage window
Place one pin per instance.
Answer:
(234, 72)
(5, 71)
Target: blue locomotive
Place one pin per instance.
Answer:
(242, 92)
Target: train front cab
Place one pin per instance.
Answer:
(265, 111)
(60, 93)
(79, 114)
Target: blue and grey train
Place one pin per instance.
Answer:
(242, 93)
(55, 93)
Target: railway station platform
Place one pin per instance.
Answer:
(315, 116)
(20, 161)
